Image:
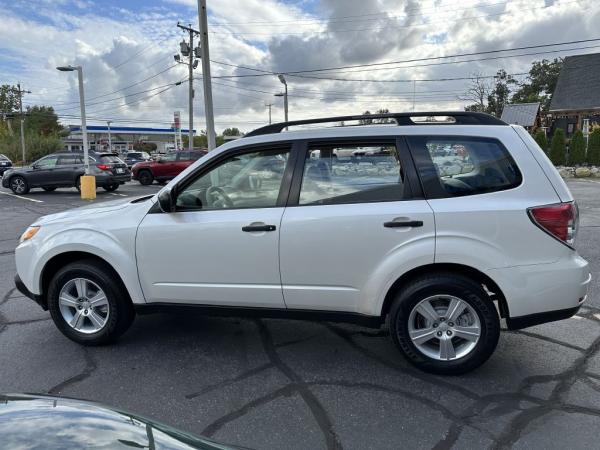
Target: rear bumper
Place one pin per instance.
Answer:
(517, 323)
(112, 179)
(537, 293)
(23, 290)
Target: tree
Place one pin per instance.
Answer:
(42, 120)
(9, 99)
(231, 132)
(557, 148)
(148, 147)
(577, 149)
(499, 95)
(366, 121)
(542, 140)
(593, 152)
(477, 94)
(540, 83)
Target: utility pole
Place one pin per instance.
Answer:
(208, 101)
(21, 92)
(189, 51)
(109, 137)
(268, 105)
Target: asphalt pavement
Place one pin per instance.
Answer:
(273, 384)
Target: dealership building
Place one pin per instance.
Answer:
(122, 139)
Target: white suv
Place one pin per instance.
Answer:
(438, 228)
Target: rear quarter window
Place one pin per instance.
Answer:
(108, 159)
(454, 166)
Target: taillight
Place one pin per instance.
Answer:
(103, 167)
(560, 220)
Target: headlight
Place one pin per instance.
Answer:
(29, 233)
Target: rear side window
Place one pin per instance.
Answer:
(351, 173)
(455, 166)
(108, 159)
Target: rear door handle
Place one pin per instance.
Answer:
(404, 223)
(254, 228)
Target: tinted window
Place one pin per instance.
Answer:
(196, 155)
(169, 157)
(354, 173)
(456, 166)
(184, 156)
(69, 160)
(250, 180)
(134, 155)
(47, 163)
(108, 159)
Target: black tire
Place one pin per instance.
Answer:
(111, 187)
(49, 188)
(78, 184)
(445, 284)
(145, 177)
(121, 311)
(19, 185)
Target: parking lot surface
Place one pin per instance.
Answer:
(272, 384)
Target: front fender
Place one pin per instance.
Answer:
(118, 251)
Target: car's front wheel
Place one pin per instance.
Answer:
(444, 324)
(145, 177)
(19, 185)
(88, 305)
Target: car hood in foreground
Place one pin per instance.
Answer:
(44, 422)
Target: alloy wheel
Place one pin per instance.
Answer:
(18, 185)
(444, 327)
(83, 305)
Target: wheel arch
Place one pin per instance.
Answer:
(491, 286)
(54, 264)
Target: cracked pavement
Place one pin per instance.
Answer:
(271, 384)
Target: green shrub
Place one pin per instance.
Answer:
(577, 149)
(593, 153)
(36, 146)
(542, 141)
(557, 148)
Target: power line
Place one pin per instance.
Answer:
(458, 55)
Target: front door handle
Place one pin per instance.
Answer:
(254, 228)
(404, 223)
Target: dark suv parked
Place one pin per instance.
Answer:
(5, 164)
(64, 169)
(132, 158)
(166, 167)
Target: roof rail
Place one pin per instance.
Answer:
(460, 118)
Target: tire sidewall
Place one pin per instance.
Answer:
(145, 177)
(116, 302)
(463, 289)
(16, 177)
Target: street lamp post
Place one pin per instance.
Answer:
(285, 96)
(88, 182)
(108, 122)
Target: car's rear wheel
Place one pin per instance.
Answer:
(145, 177)
(19, 185)
(444, 324)
(48, 188)
(111, 187)
(88, 305)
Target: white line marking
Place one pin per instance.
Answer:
(22, 198)
(120, 195)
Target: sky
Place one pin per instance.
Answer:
(126, 50)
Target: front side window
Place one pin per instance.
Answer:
(48, 162)
(169, 157)
(352, 173)
(249, 180)
(464, 165)
(68, 160)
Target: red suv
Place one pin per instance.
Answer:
(166, 167)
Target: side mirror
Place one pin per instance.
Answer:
(165, 200)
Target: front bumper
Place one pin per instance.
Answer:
(40, 300)
(4, 169)
(4, 182)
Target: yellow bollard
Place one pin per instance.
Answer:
(88, 187)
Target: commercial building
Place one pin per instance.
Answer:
(122, 139)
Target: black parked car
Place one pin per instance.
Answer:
(132, 158)
(5, 164)
(64, 169)
(45, 422)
